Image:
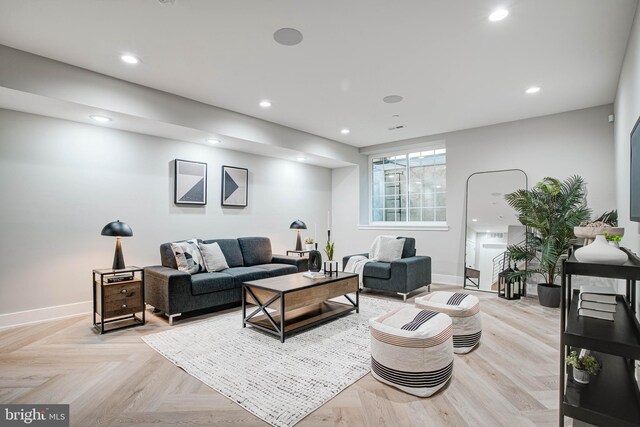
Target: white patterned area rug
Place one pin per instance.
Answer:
(280, 383)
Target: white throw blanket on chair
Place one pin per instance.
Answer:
(356, 263)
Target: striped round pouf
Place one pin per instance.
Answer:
(464, 310)
(412, 350)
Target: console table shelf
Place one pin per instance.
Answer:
(612, 398)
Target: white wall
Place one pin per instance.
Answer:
(62, 181)
(627, 111)
(559, 145)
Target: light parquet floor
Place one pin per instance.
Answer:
(511, 379)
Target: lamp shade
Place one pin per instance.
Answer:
(117, 229)
(298, 225)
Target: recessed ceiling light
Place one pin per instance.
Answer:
(287, 36)
(301, 159)
(392, 99)
(130, 59)
(488, 231)
(345, 131)
(265, 104)
(532, 90)
(213, 141)
(101, 119)
(498, 15)
(474, 220)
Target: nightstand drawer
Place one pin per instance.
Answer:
(118, 291)
(120, 308)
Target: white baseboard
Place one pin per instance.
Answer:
(45, 314)
(446, 279)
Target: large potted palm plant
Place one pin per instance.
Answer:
(550, 210)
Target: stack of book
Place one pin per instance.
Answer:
(598, 302)
(119, 277)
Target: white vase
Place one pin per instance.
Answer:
(580, 376)
(601, 252)
(309, 246)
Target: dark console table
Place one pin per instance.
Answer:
(612, 398)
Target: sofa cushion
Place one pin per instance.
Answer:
(230, 249)
(278, 269)
(409, 248)
(245, 274)
(188, 257)
(390, 249)
(255, 250)
(381, 270)
(213, 257)
(205, 283)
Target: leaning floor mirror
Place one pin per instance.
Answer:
(491, 225)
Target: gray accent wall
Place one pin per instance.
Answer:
(559, 145)
(62, 181)
(627, 111)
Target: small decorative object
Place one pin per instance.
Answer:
(613, 240)
(583, 366)
(309, 243)
(605, 223)
(601, 252)
(330, 266)
(315, 260)
(298, 225)
(235, 184)
(190, 183)
(117, 229)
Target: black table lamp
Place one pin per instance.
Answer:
(118, 229)
(298, 225)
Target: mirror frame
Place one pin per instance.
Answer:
(466, 219)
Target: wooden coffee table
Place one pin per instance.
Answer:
(297, 302)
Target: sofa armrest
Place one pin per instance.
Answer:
(345, 259)
(301, 263)
(163, 286)
(414, 272)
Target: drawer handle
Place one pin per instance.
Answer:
(124, 305)
(124, 291)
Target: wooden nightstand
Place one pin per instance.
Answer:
(117, 296)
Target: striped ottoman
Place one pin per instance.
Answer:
(464, 310)
(412, 350)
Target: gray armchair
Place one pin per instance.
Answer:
(401, 276)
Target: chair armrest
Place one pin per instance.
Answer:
(415, 270)
(345, 259)
(301, 263)
(163, 285)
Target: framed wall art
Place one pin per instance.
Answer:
(190, 183)
(235, 184)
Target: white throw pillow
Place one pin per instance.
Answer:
(188, 257)
(214, 259)
(390, 249)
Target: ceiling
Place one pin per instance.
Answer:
(454, 68)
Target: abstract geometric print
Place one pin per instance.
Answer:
(190, 182)
(234, 186)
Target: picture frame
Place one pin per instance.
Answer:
(190, 183)
(235, 187)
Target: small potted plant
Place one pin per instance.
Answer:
(330, 266)
(613, 240)
(583, 366)
(308, 242)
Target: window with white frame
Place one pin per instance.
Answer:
(409, 187)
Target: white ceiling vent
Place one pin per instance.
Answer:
(169, 2)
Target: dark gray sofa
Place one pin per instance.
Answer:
(174, 292)
(402, 276)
